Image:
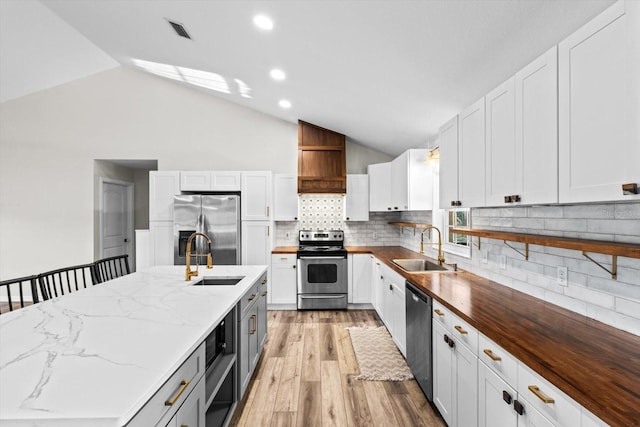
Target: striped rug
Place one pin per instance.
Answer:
(378, 357)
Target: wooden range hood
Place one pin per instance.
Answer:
(322, 164)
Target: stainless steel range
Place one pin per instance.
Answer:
(322, 270)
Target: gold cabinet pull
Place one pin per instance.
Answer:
(491, 355)
(183, 386)
(536, 390)
(267, 211)
(459, 329)
(438, 312)
(252, 297)
(254, 324)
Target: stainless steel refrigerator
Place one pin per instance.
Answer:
(217, 216)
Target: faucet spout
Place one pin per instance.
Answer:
(440, 253)
(192, 273)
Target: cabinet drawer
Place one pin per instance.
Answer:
(283, 259)
(462, 332)
(249, 298)
(499, 360)
(175, 391)
(442, 315)
(559, 408)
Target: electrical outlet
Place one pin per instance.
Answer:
(503, 262)
(288, 234)
(375, 235)
(562, 275)
(485, 256)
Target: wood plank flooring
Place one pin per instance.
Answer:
(306, 377)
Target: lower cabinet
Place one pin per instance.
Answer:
(256, 242)
(360, 278)
(389, 293)
(161, 236)
(192, 411)
(282, 289)
(252, 331)
(377, 282)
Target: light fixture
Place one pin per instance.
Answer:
(277, 74)
(434, 154)
(263, 22)
(284, 104)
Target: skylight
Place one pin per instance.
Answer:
(200, 78)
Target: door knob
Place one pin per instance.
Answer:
(126, 240)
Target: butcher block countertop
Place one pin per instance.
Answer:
(595, 364)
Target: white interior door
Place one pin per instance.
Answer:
(115, 229)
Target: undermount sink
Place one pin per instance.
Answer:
(412, 265)
(220, 281)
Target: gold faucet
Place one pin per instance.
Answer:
(192, 273)
(440, 254)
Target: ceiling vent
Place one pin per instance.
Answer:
(179, 29)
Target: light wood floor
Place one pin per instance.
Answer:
(305, 377)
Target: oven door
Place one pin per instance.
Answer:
(322, 275)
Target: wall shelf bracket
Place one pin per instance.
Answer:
(614, 265)
(526, 250)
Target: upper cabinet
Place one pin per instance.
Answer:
(379, 187)
(163, 185)
(256, 196)
(411, 181)
(599, 97)
(448, 137)
(209, 181)
(357, 198)
(471, 156)
(285, 197)
(322, 165)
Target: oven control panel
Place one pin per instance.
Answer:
(321, 235)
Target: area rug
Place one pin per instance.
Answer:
(378, 357)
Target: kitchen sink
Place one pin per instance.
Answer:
(219, 281)
(412, 265)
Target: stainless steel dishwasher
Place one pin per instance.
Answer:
(419, 306)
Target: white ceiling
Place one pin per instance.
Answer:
(385, 73)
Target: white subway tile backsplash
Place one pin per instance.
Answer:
(590, 296)
(573, 304)
(628, 307)
(558, 224)
(624, 227)
(627, 210)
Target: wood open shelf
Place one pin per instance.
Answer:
(410, 224)
(614, 249)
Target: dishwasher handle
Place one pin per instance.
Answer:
(417, 293)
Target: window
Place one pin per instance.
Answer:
(458, 244)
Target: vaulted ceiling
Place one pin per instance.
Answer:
(385, 73)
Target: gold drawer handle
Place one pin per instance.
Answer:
(183, 386)
(491, 355)
(251, 298)
(254, 324)
(438, 312)
(536, 390)
(459, 329)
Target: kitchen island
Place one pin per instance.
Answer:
(95, 357)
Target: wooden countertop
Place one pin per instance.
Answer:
(595, 364)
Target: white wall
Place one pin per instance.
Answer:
(48, 141)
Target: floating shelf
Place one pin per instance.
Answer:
(614, 249)
(411, 224)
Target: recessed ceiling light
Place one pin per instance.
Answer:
(277, 74)
(284, 104)
(263, 22)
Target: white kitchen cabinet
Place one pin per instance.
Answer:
(360, 278)
(411, 181)
(495, 400)
(393, 307)
(356, 200)
(500, 148)
(257, 242)
(209, 181)
(455, 369)
(161, 236)
(471, 155)
(285, 197)
(536, 131)
(163, 185)
(599, 106)
(377, 279)
(256, 197)
(379, 187)
(283, 279)
(448, 140)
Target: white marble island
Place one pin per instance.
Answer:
(96, 356)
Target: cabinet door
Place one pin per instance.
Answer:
(536, 88)
(379, 187)
(225, 181)
(532, 418)
(283, 279)
(285, 197)
(361, 273)
(471, 156)
(598, 107)
(192, 411)
(495, 400)
(248, 352)
(419, 180)
(400, 182)
(195, 180)
(377, 285)
(161, 242)
(262, 315)
(442, 373)
(256, 196)
(163, 185)
(466, 387)
(398, 314)
(357, 198)
(256, 242)
(500, 149)
(448, 140)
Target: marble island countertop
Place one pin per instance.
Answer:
(94, 357)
